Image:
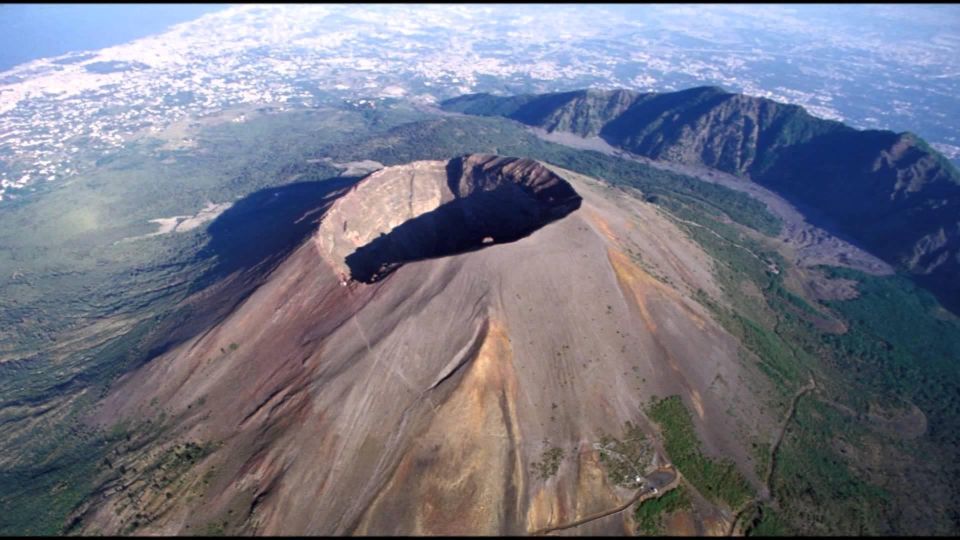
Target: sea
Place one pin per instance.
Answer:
(32, 31)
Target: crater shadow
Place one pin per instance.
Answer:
(481, 218)
(244, 244)
(266, 225)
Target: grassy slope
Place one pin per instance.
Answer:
(900, 344)
(718, 480)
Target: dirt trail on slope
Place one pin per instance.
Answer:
(771, 461)
(727, 240)
(644, 495)
(640, 496)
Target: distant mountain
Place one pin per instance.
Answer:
(890, 192)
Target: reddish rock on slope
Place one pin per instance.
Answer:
(415, 403)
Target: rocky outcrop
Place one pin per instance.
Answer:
(584, 112)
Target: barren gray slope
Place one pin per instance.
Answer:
(416, 404)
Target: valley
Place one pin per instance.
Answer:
(810, 245)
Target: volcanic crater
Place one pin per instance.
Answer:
(429, 209)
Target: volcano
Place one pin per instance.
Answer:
(446, 354)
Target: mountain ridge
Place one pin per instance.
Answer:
(891, 192)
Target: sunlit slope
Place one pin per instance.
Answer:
(427, 394)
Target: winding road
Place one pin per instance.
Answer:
(771, 460)
(657, 484)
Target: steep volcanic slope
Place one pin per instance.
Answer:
(416, 403)
(891, 192)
